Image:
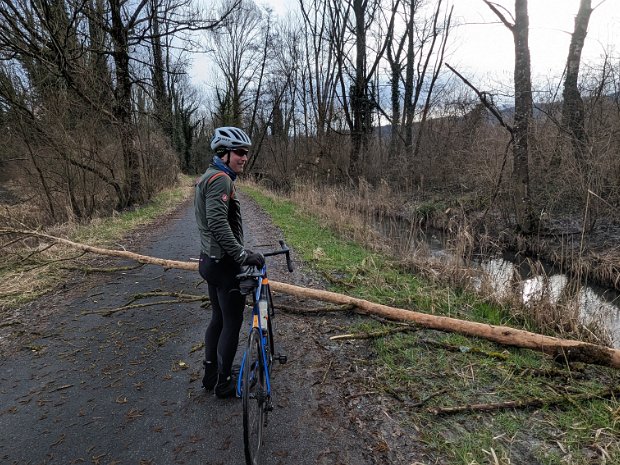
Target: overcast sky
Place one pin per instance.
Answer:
(483, 47)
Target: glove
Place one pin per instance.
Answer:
(254, 259)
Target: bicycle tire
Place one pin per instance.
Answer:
(254, 399)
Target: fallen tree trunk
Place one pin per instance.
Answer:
(569, 350)
(574, 351)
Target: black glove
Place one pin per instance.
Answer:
(254, 259)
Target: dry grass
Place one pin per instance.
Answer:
(30, 268)
(360, 214)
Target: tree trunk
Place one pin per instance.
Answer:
(572, 109)
(444, 31)
(409, 106)
(395, 67)
(359, 93)
(162, 101)
(395, 103)
(567, 349)
(122, 106)
(523, 115)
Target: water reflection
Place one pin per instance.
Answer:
(596, 305)
(534, 281)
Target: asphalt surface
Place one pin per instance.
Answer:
(125, 388)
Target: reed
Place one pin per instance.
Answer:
(370, 217)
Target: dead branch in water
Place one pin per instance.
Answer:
(568, 350)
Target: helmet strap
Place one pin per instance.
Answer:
(221, 154)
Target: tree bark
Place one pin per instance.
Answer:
(523, 114)
(122, 105)
(572, 109)
(162, 100)
(568, 350)
(409, 104)
(359, 93)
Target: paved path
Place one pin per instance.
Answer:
(110, 390)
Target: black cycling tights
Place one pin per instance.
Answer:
(222, 335)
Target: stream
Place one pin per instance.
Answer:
(533, 281)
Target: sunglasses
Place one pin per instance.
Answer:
(241, 152)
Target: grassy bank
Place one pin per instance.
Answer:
(463, 400)
(31, 269)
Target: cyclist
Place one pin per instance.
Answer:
(222, 254)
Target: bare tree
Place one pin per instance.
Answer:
(519, 28)
(437, 32)
(237, 55)
(320, 61)
(160, 92)
(572, 107)
(394, 58)
(358, 74)
(72, 76)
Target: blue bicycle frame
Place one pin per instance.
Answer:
(262, 290)
(257, 323)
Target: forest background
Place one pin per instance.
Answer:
(99, 114)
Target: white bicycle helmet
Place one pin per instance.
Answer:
(228, 137)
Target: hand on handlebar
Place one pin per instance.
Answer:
(254, 259)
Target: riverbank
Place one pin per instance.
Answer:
(423, 396)
(463, 235)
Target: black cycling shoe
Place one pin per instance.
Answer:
(209, 380)
(226, 387)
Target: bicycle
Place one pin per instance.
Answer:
(254, 382)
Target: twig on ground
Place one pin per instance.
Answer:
(361, 394)
(331, 362)
(10, 323)
(372, 335)
(315, 310)
(111, 311)
(429, 397)
(37, 251)
(527, 403)
(475, 350)
(58, 260)
(553, 373)
(61, 388)
(340, 282)
(91, 269)
(178, 295)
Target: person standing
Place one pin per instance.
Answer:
(222, 254)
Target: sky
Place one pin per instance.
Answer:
(486, 46)
(482, 47)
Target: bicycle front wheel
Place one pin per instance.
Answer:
(254, 399)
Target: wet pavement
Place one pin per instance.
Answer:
(125, 388)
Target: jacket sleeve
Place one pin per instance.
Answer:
(218, 198)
